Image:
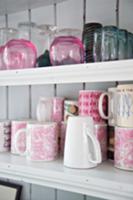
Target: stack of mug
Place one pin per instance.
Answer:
(120, 116)
(38, 140)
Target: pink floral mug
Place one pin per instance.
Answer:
(123, 157)
(41, 141)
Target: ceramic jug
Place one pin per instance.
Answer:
(82, 149)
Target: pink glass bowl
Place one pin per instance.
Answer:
(66, 50)
(19, 54)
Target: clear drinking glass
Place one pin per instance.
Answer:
(122, 44)
(45, 38)
(97, 45)
(109, 46)
(29, 31)
(70, 32)
(7, 34)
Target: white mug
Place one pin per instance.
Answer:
(111, 94)
(124, 105)
(82, 149)
(44, 109)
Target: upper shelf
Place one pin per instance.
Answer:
(11, 6)
(104, 181)
(92, 72)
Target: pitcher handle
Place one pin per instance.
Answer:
(23, 130)
(100, 106)
(96, 146)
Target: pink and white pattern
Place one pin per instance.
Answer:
(88, 104)
(42, 142)
(101, 134)
(124, 148)
(58, 106)
(21, 141)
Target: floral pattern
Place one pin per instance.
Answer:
(124, 148)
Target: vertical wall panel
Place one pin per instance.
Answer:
(43, 15)
(42, 193)
(103, 11)
(74, 18)
(63, 195)
(18, 102)
(99, 86)
(15, 18)
(70, 91)
(3, 101)
(38, 91)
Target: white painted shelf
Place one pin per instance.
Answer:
(11, 6)
(93, 72)
(104, 181)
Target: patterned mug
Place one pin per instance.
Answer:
(123, 157)
(88, 104)
(41, 141)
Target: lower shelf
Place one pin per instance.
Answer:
(104, 181)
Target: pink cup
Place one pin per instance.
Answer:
(88, 104)
(58, 106)
(18, 128)
(101, 134)
(17, 52)
(41, 141)
(123, 157)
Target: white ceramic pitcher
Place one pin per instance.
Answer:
(82, 149)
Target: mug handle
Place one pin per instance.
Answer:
(96, 145)
(23, 130)
(100, 106)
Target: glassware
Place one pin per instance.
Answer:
(88, 39)
(7, 34)
(70, 32)
(122, 44)
(19, 54)
(29, 31)
(109, 46)
(66, 50)
(97, 45)
(130, 45)
(45, 38)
